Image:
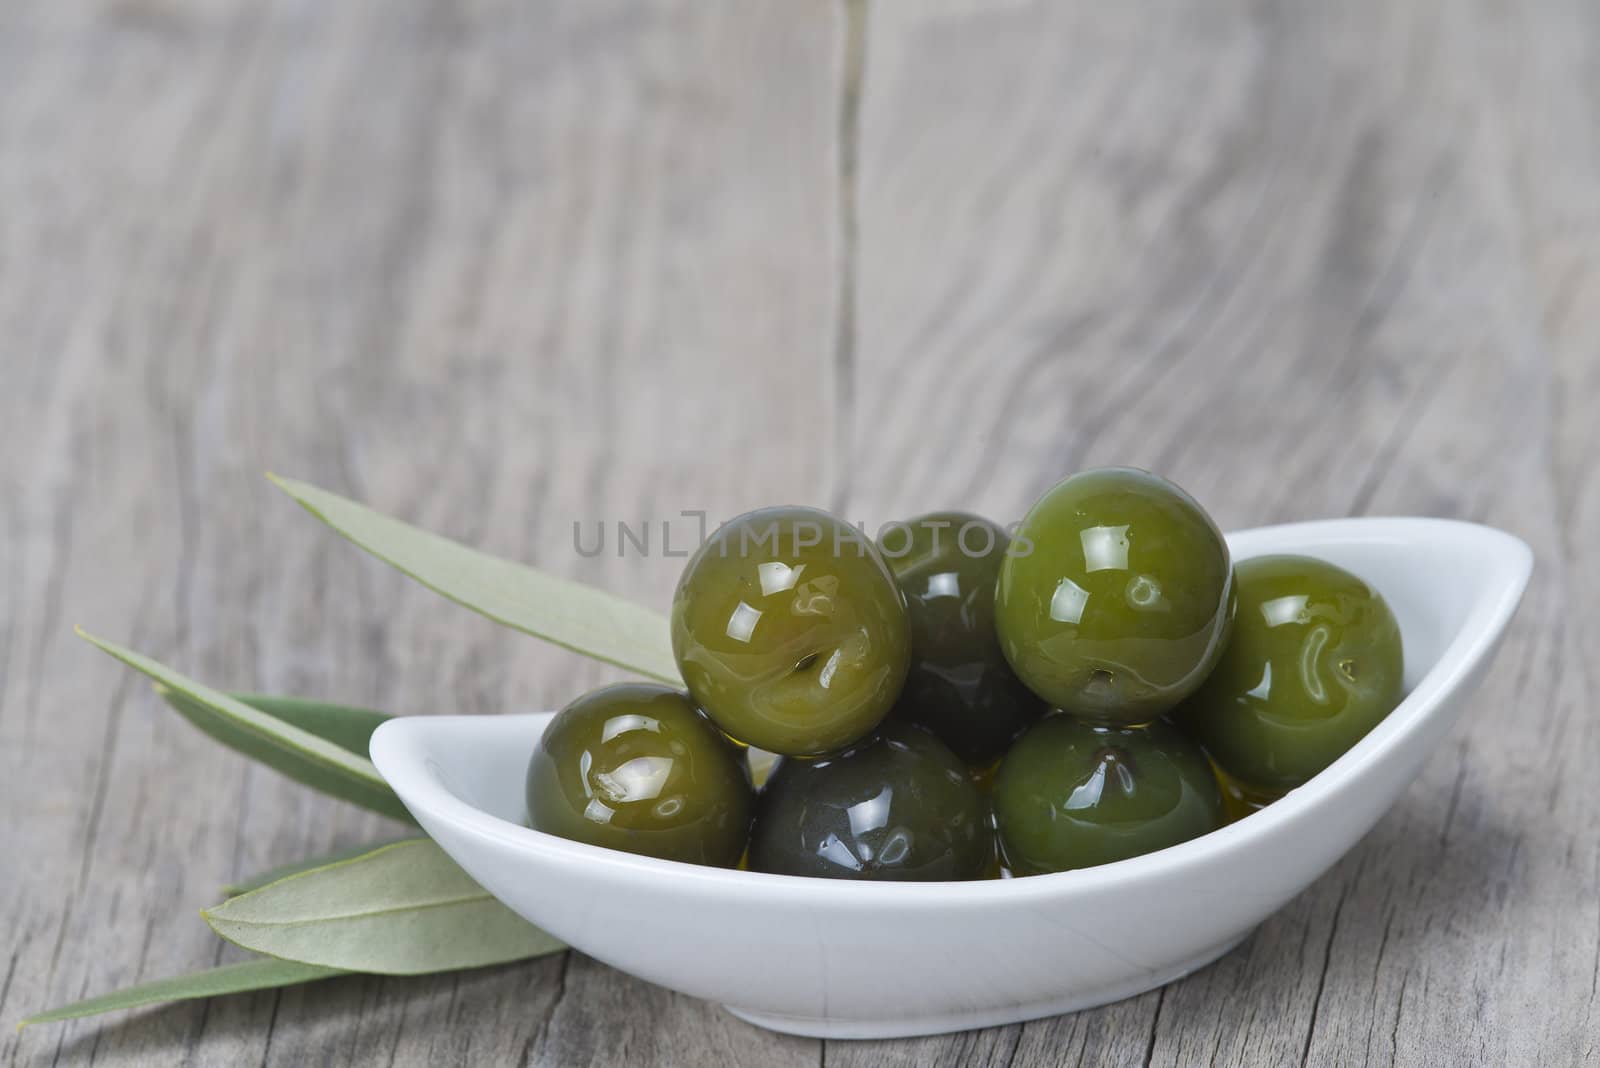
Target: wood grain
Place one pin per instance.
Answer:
(497, 267)
(501, 267)
(1197, 237)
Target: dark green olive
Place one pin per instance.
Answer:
(1239, 800)
(1072, 795)
(636, 767)
(899, 806)
(1115, 598)
(960, 686)
(1314, 664)
(790, 631)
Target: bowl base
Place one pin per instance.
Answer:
(911, 1026)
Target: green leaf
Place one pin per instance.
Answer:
(296, 752)
(272, 875)
(348, 728)
(345, 726)
(239, 978)
(404, 909)
(570, 614)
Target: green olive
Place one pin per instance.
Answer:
(1073, 795)
(1116, 596)
(1239, 800)
(636, 767)
(896, 807)
(790, 631)
(1315, 662)
(960, 686)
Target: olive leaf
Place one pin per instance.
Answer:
(296, 752)
(272, 875)
(570, 614)
(402, 909)
(348, 728)
(260, 974)
(399, 909)
(344, 725)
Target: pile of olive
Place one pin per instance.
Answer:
(954, 702)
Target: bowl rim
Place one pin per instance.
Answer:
(399, 748)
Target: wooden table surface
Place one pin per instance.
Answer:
(500, 266)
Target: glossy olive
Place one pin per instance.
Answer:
(636, 767)
(896, 807)
(1315, 662)
(790, 631)
(960, 686)
(1115, 598)
(1239, 800)
(1072, 795)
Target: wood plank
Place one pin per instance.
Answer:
(496, 267)
(1283, 255)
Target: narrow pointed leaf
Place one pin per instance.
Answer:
(272, 875)
(240, 978)
(403, 909)
(298, 753)
(570, 614)
(344, 725)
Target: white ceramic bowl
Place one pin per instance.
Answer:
(869, 960)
